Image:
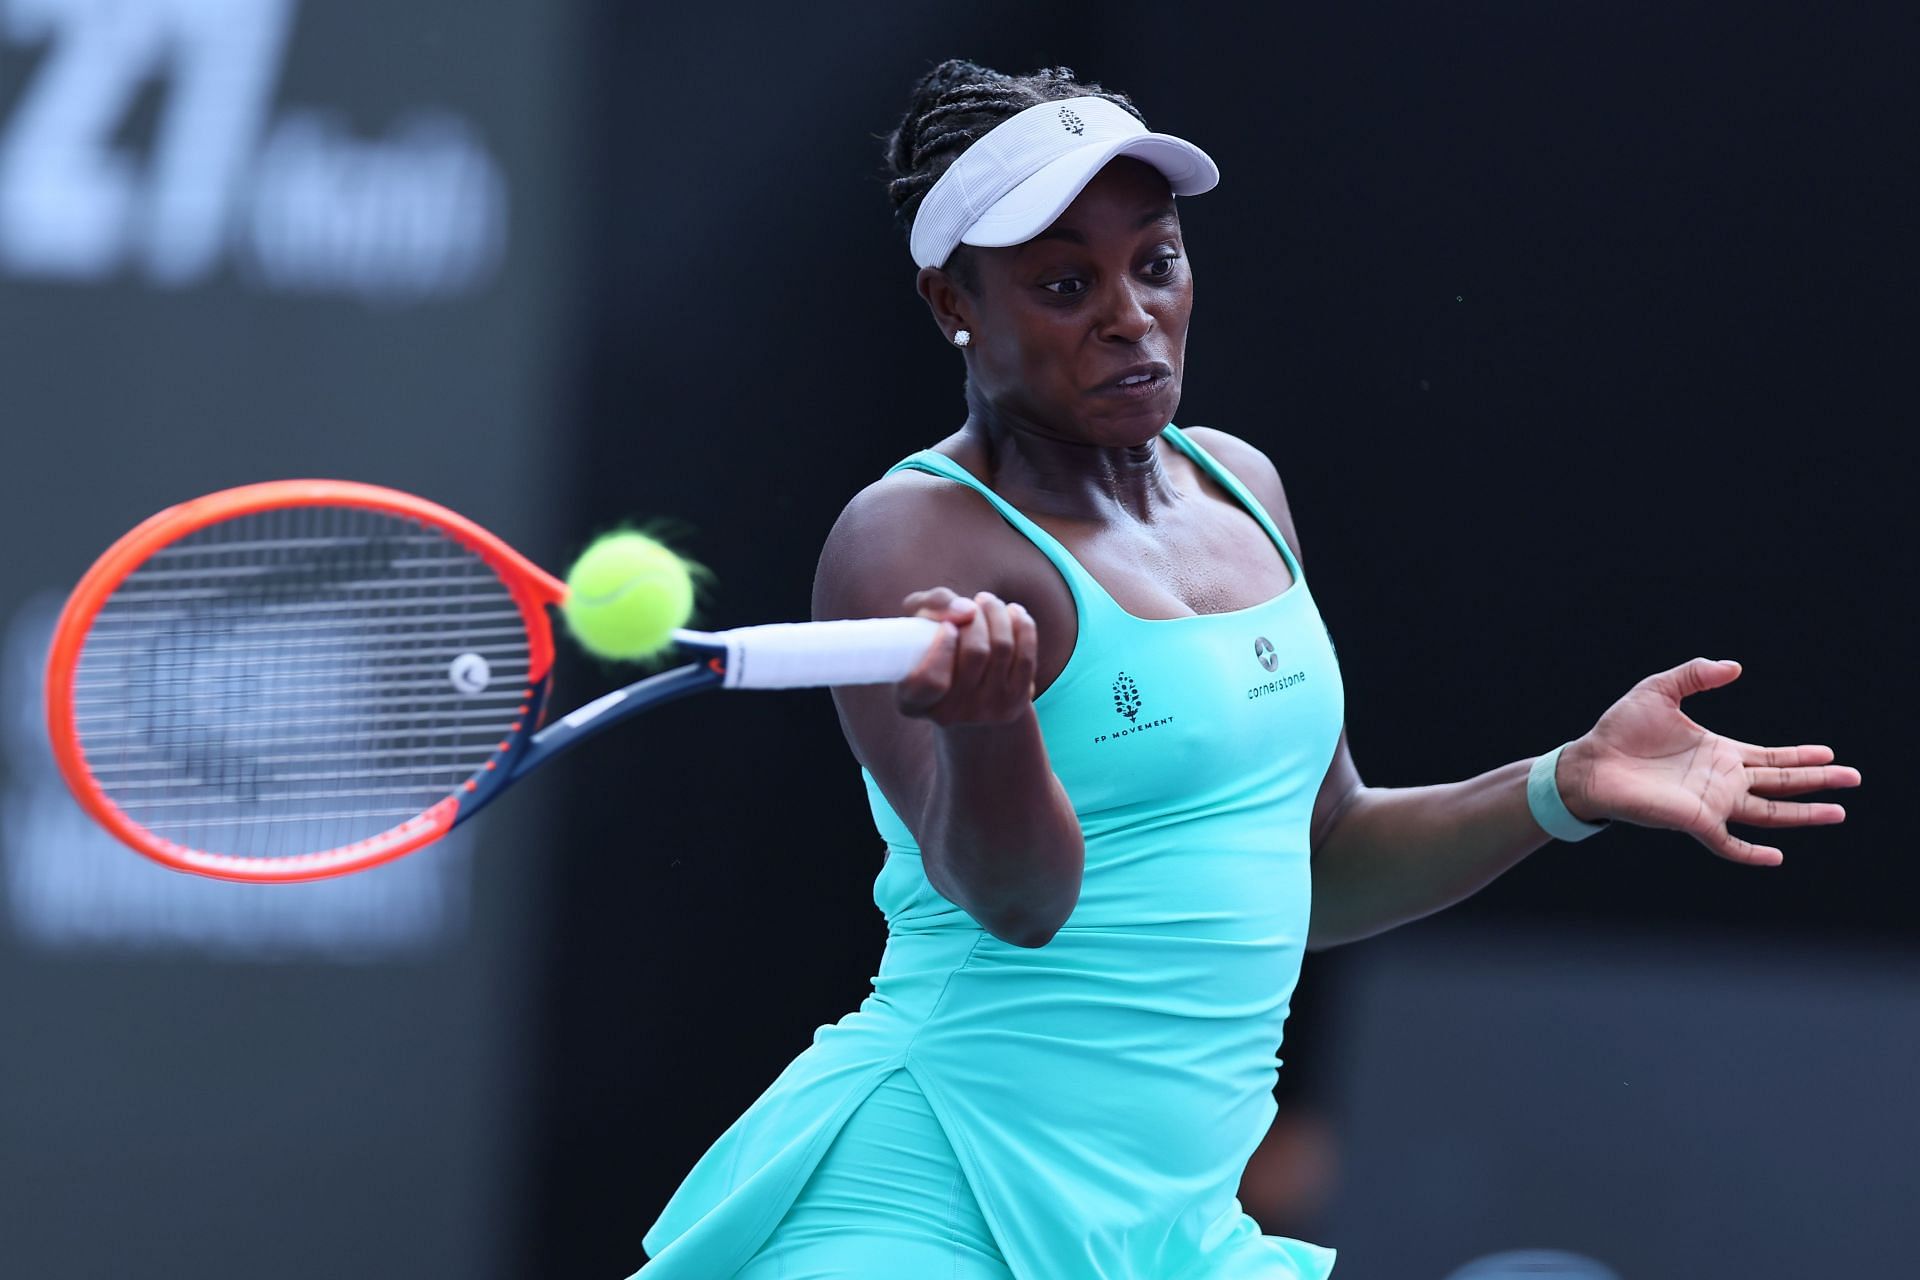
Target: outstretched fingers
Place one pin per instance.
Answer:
(1734, 849)
(1766, 776)
(1696, 675)
(1764, 803)
(1765, 811)
(1782, 757)
(1775, 780)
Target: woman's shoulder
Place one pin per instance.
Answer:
(1252, 468)
(907, 502)
(1249, 464)
(912, 529)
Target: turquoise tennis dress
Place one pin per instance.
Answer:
(1103, 1092)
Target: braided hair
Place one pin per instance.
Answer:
(953, 106)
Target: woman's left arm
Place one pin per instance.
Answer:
(1385, 855)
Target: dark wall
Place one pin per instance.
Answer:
(1577, 334)
(1674, 1107)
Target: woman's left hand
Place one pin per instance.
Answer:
(1647, 763)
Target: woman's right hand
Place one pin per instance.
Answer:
(980, 671)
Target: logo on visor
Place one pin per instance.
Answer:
(1263, 650)
(1071, 122)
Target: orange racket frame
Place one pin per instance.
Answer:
(531, 588)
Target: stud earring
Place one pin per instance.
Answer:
(962, 338)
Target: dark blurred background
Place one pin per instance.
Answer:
(1583, 337)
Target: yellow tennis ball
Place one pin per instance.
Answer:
(626, 595)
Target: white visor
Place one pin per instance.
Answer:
(1010, 185)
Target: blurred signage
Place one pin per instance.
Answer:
(290, 198)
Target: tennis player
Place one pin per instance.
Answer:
(1103, 790)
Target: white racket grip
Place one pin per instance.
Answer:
(803, 655)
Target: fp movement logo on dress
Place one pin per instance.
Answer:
(1127, 703)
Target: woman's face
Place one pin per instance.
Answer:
(1102, 293)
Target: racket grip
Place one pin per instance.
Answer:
(802, 655)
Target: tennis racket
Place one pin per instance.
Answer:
(306, 678)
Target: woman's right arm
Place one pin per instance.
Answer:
(955, 747)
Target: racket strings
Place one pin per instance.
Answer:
(291, 681)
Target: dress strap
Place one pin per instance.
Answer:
(1231, 483)
(1086, 591)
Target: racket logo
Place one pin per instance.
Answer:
(470, 674)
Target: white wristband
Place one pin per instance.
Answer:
(1549, 810)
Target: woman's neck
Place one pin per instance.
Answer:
(1046, 473)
